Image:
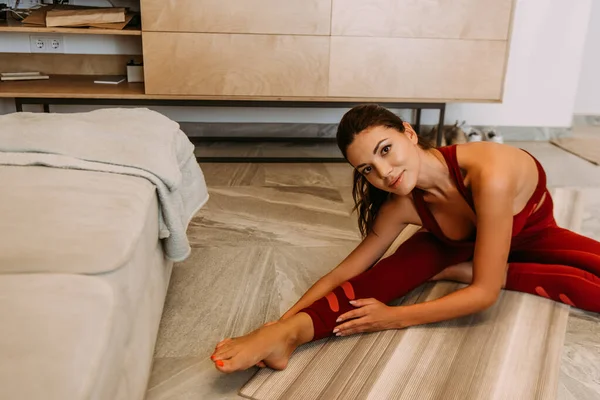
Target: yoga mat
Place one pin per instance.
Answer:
(510, 351)
(587, 148)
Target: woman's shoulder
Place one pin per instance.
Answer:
(496, 163)
(490, 156)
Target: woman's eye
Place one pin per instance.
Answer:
(366, 170)
(386, 149)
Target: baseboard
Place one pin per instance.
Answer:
(309, 130)
(255, 129)
(586, 120)
(532, 133)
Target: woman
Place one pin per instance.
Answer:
(482, 203)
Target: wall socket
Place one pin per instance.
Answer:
(46, 44)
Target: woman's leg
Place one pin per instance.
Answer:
(560, 265)
(415, 262)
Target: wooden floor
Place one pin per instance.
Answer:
(270, 230)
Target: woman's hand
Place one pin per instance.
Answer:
(371, 315)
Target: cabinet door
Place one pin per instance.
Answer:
(422, 69)
(309, 17)
(459, 19)
(235, 65)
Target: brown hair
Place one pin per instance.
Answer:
(367, 198)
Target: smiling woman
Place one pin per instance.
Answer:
(369, 198)
(483, 203)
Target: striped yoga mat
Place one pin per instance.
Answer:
(511, 351)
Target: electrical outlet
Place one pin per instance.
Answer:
(38, 45)
(55, 45)
(46, 44)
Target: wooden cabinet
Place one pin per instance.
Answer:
(447, 19)
(312, 50)
(425, 69)
(300, 17)
(380, 50)
(235, 65)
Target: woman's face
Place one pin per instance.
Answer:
(387, 158)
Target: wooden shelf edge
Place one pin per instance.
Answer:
(71, 86)
(82, 96)
(83, 87)
(230, 98)
(17, 27)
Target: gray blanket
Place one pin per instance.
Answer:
(137, 142)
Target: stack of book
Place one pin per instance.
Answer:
(79, 17)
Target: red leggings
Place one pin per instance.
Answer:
(544, 260)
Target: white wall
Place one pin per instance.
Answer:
(17, 42)
(543, 68)
(588, 92)
(546, 53)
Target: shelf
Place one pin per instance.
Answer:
(71, 86)
(83, 87)
(12, 25)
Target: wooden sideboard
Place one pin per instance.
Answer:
(392, 50)
(295, 50)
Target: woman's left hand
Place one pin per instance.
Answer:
(371, 315)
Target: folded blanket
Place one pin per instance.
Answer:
(137, 142)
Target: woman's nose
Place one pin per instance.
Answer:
(383, 170)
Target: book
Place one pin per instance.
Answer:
(85, 17)
(22, 76)
(37, 17)
(110, 80)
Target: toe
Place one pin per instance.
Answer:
(226, 354)
(217, 355)
(261, 365)
(220, 365)
(225, 348)
(222, 342)
(227, 366)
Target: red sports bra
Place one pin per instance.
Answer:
(519, 220)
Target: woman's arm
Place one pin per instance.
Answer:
(389, 223)
(493, 191)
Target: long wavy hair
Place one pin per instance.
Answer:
(367, 198)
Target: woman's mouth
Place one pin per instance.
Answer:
(396, 182)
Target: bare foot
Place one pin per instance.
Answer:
(261, 364)
(271, 344)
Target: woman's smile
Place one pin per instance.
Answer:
(396, 181)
